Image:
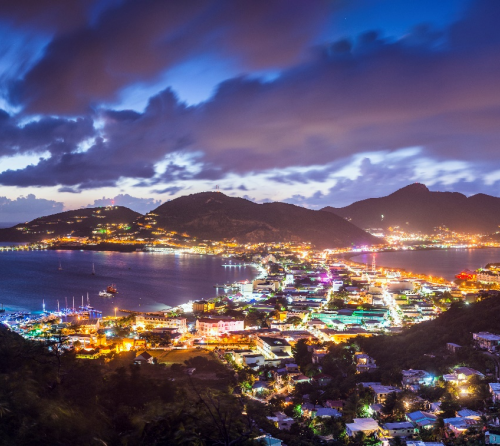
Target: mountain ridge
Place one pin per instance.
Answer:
(77, 222)
(216, 216)
(417, 209)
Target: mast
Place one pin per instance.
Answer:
(73, 304)
(58, 305)
(82, 301)
(373, 264)
(43, 305)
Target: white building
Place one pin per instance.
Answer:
(178, 323)
(215, 327)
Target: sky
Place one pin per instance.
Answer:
(316, 103)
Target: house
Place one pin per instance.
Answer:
(324, 412)
(381, 392)
(495, 392)
(253, 360)
(259, 387)
(453, 348)
(335, 404)
(281, 421)
(458, 425)
(416, 378)
(399, 429)
(461, 375)
(422, 420)
(492, 435)
(366, 425)
(322, 379)
(267, 440)
(143, 358)
(423, 443)
(274, 348)
(292, 368)
(487, 341)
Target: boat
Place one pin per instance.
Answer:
(60, 266)
(111, 289)
(93, 270)
(105, 294)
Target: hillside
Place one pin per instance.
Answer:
(78, 223)
(424, 345)
(215, 216)
(415, 208)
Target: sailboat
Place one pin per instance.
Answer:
(60, 266)
(93, 269)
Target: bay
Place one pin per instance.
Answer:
(145, 281)
(444, 263)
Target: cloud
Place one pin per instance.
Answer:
(435, 89)
(141, 205)
(135, 41)
(55, 135)
(26, 208)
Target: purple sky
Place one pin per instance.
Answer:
(311, 102)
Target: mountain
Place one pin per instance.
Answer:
(415, 208)
(78, 223)
(215, 216)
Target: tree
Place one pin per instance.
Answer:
(294, 320)
(301, 353)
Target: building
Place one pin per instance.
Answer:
(486, 340)
(416, 378)
(399, 429)
(488, 277)
(495, 392)
(492, 436)
(215, 327)
(87, 325)
(143, 358)
(274, 348)
(178, 323)
(366, 425)
(453, 348)
(203, 306)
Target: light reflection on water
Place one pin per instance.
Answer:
(145, 281)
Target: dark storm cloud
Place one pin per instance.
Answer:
(433, 89)
(56, 135)
(137, 40)
(47, 15)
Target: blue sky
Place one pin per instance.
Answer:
(314, 103)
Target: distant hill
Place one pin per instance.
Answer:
(215, 216)
(78, 223)
(416, 208)
(408, 349)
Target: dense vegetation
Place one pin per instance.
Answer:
(423, 346)
(51, 399)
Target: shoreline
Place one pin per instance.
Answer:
(257, 272)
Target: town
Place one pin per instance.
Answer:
(297, 340)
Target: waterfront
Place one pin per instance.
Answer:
(444, 263)
(145, 281)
